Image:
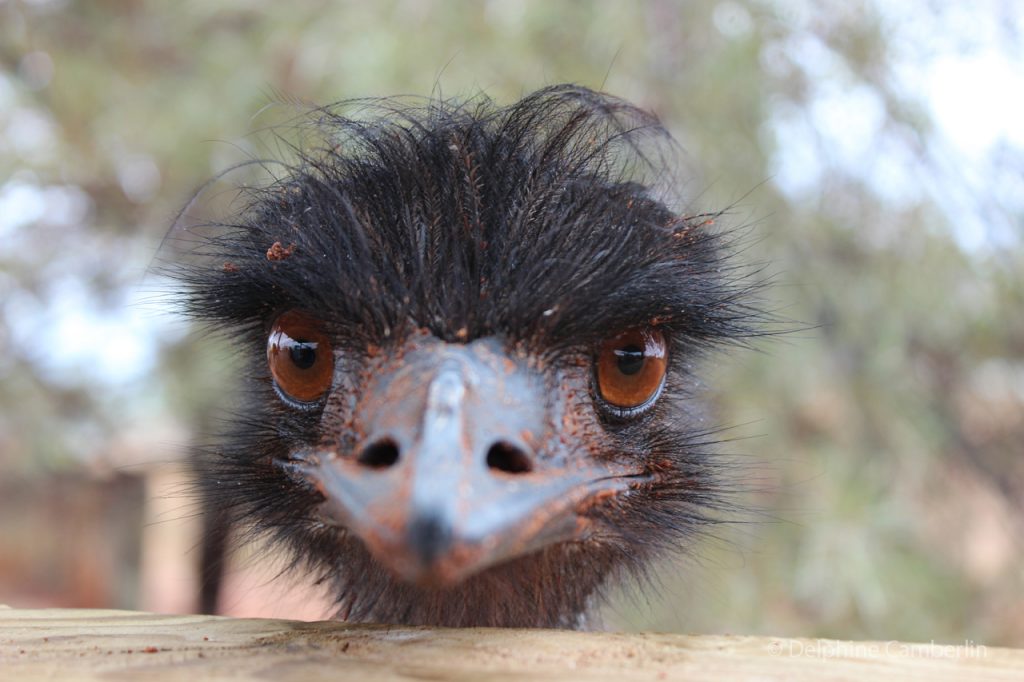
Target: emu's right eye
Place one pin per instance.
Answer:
(300, 357)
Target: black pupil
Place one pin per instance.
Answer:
(630, 359)
(303, 354)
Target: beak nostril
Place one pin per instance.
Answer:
(379, 455)
(508, 458)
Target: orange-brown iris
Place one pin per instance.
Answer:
(631, 367)
(300, 356)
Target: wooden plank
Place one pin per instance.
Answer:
(91, 645)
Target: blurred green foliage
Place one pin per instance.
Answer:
(882, 444)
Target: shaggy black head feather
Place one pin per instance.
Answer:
(537, 224)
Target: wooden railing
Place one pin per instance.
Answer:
(59, 644)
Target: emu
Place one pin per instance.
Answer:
(470, 334)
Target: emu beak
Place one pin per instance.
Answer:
(451, 478)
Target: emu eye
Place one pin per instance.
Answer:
(300, 357)
(631, 368)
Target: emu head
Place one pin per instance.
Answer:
(470, 334)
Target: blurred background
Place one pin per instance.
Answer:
(874, 150)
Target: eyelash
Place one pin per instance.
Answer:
(311, 406)
(626, 414)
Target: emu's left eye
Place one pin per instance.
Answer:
(299, 355)
(631, 368)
